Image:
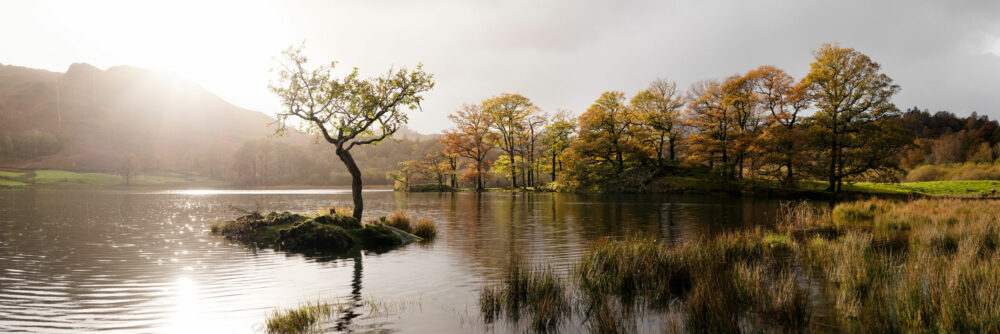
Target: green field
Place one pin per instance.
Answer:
(967, 187)
(61, 177)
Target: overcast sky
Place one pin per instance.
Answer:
(560, 54)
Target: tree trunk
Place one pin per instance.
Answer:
(553, 165)
(513, 171)
(479, 176)
(352, 167)
(671, 148)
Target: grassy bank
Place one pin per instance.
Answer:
(981, 188)
(928, 265)
(804, 189)
(48, 177)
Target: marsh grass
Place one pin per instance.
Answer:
(535, 294)
(926, 265)
(303, 319)
(716, 285)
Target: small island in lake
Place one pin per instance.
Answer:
(325, 232)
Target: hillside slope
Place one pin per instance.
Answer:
(88, 119)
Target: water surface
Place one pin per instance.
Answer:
(141, 261)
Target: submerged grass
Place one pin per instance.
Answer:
(525, 292)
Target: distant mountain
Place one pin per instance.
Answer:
(88, 119)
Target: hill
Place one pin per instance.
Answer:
(87, 119)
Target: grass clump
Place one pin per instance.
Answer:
(302, 319)
(526, 292)
(633, 269)
(425, 229)
(398, 220)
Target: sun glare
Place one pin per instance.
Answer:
(183, 37)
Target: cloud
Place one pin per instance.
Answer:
(563, 54)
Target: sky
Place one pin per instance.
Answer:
(561, 54)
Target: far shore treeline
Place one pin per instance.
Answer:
(761, 128)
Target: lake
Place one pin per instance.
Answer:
(139, 261)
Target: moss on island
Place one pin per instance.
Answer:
(318, 232)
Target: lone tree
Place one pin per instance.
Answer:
(349, 111)
(856, 124)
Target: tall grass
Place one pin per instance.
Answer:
(533, 293)
(944, 278)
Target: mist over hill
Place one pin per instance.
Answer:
(87, 119)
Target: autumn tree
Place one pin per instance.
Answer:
(470, 138)
(606, 145)
(783, 142)
(658, 107)
(349, 111)
(707, 114)
(742, 105)
(558, 135)
(856, 126)
(437, 166)
(508, 114)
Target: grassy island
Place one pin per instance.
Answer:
(326, 232)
